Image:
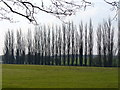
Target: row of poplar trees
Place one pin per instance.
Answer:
(63, 45)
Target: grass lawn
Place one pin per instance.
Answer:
(38, 76)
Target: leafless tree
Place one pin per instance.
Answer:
(58, 8)
(115, 7)
(68, 43)
(9, 43)
(81, 43)
(76, 46)
(56, 46)
(42, 46)
(23, 53)
(90, 43)
(53, 45)
(6, 49)
(49, 46)
(110, 41)
(99, 44)
(72, 42)
(104, 42)
(59, 46)
(45, 44)
(64, 44)
(12, 48)
(29, 47)
(119, 36)
(19, 47)
(86, 44)
(37, 45)
(119, 44)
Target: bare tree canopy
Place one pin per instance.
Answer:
(29, 9)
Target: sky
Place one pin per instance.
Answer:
(99, 11)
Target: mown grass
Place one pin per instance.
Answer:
(38, 76)
(0, 76)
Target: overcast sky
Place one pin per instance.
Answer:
(97, 13)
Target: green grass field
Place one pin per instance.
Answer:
(37, 76)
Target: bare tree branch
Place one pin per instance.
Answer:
(115, 3)
(115, 7)
(58, 8)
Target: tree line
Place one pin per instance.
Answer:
(63, 45)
